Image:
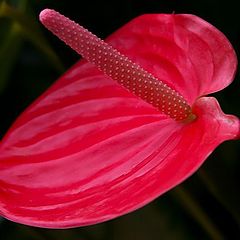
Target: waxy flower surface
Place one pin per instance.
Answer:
(114, 133)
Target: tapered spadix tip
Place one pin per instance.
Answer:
(45, 15)
(119, 67)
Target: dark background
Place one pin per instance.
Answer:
(206, 206)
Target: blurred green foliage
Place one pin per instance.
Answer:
(206, 206)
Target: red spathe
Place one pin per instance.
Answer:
(87, 150)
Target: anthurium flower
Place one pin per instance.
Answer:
(122, 128)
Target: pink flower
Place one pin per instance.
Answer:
(89, 150)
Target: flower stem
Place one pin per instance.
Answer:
(206, 180)
(190, 204)
(29, 29)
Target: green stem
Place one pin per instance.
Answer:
(29, 29)
(190, 204)
(8, 53)
(215, 193)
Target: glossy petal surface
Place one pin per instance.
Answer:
(186, 52)
(88, 150)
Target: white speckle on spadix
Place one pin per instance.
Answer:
(119, 67)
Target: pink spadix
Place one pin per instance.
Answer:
(117, 66)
